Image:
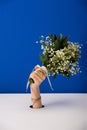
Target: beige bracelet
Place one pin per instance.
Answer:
(35, 100)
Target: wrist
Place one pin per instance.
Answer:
(35, 97)
(35, 91)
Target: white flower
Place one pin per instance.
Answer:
(37, 42)
(50, 43)
(47, 38)
(42, 47)
(51, 59)
(42, 36)
(41, 41)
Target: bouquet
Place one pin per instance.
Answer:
(59, 56)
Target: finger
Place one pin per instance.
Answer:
(37, 67)
(42, 71)
(41, 74)
(38, 76)
(35, 77)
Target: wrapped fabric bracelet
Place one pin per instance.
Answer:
(35, 101)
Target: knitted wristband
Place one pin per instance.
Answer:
(35, 100)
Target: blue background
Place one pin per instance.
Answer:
(22, 22)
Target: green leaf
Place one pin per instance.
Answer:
(65, 39)
(60, 37)
(53, 37)
(31, 80)
(64, 44)
(44, 59)
(57, 45)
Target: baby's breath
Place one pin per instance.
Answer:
(60, 57)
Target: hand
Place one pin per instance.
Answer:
(38, 76)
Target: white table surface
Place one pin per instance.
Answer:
(61, 112)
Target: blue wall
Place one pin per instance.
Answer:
(22, 22)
